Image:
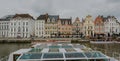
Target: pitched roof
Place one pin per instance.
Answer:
(77, 20)
(98, 19)
(42, 17)
(23, 16)
(63, 20)
(6, 18)
(46, 16)
(56, 17)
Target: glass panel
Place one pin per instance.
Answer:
(54, 46)
(94, 54)
(77, 60)
(66, 46)
(70, 49)
(31, 56)
(74, 55)
(53, 50)
(35, 50)
(53, 55)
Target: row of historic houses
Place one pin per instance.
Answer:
(46, 26)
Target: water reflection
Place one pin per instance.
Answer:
(108, 47)
(7, 48)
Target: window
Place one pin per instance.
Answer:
(18, 29)
(26, 29)
(11, 29)
(116, 30)
(23, 29)
(19, 23)
(26, 23)
(48, 20)
(39, 33)
(7, 26)
(14, 23)
(23, 23)
(11, 23)
(14, 29)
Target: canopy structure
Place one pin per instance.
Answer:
(62, 52)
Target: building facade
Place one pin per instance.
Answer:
(77, 28)
(65, 27)
(4, 26)
(47, 26)
(111, 25)
(21, 26)
(99, 26)
(51, 25)
(88, 26)
(40, 26)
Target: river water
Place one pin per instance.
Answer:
(7, 48)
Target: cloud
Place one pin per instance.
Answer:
(65, 8)
(113, 1)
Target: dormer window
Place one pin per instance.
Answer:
(53, 20)
(48, 20)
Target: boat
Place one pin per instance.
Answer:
(58, 52)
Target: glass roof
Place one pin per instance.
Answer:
(54, 46)
(78, 55)
(62, 51)
(74, 55)
(35, 50)
(94, 54)
(53, 50)
(70, 50)
(53, 55)
(67, 46)
(31, 56)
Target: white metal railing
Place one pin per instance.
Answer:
(4, 58)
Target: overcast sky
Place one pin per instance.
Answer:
(64, 8)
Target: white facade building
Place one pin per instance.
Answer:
(111, 26)
(4, 25)
(21, 25)
(40, 26)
